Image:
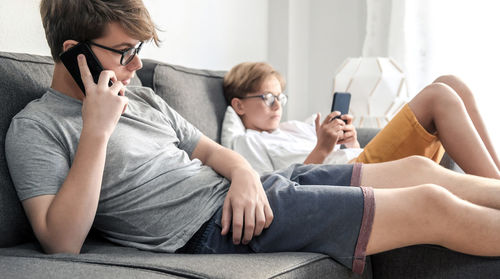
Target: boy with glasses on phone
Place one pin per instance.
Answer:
(442, 114)
(121, 160)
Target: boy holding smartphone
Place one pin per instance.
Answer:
(123, 161)
(443, 114)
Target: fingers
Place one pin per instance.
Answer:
(331, 117)
(85, 74)
(117, 88)
(317, 120)
(348, 118)
(237, 225)
(104, 78)
(260, 221)
(226, 216)
(249, 225)
(269, 215)
(256, 219)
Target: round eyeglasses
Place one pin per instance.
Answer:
(127, 54)
(270, 98)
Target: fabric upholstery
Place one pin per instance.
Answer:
(23, 77)
(268, 265)
(195, 94)
(433, 262)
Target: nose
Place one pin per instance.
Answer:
(276, 105)
(135, 64)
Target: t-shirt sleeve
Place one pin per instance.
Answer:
(187, 134)
(37, 161)
(255, 152)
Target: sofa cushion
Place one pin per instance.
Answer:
(196, 94)
(48, 268)
(23, 77)
(428, 261)
(266, 265)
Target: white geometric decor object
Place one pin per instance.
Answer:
(378, 89)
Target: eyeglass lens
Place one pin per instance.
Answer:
(269, 99)
(128, 56)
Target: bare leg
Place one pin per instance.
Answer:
(440, 110)
(470, 105)
(417, 170)
(430, 214)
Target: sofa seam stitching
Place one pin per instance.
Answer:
(189, 72)
(145, 267)
(26, 60)
(301, 264)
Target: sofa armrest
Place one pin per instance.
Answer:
(365, 135)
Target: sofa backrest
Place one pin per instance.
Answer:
(195, 94)
(23, 77)
(198, 95)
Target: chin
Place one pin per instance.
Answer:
(274, 127)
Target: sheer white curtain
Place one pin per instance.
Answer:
(435, 37)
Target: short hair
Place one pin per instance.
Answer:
(84, 20)
(247, 77)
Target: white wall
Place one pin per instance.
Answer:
(21, 28)
(308, 41)
(212, 34)
(305, 40)
(215, 34)
(336, 31)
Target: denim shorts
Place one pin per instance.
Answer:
(315, 210)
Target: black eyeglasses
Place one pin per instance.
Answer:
(270, 98)
(127, 55)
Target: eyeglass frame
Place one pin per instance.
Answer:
(122, 52)
(275, 97)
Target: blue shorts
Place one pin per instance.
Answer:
(315, 210)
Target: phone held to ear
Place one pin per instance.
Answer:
(70, 61)
(341, 102)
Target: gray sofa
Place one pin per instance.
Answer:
(197, 95)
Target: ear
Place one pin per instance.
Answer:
(238, 106)
(69, 44)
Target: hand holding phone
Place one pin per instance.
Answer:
(341, 102)
(69, 59)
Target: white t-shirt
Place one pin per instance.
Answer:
(289, 144)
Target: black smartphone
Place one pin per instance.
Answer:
(69, 59)
(341, 102)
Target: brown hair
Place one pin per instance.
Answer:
(248, 77)
(83, 20)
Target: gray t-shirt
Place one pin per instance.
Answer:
(153, 196)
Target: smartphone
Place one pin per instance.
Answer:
(341, 102)
(69, 59)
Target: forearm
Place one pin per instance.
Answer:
(228, 162)
(317, 156)
(72, 211)
(246, 206)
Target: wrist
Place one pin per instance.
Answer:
(244, 171)
(317, 156)
(95, 135)
(322, 151)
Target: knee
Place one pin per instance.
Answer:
(436, 202)
(450, 80)
(442, 95)
(420, 164)
(458, 86)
